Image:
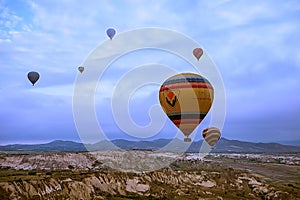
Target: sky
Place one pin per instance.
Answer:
(253, 44)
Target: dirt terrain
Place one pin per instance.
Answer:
(277, 169)
(217, 176)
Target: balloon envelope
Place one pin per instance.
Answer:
(211, 135)
(33, 77)
(111, 33)
(198, 52)
(81, 69)
(186, 98)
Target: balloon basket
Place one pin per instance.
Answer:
(187, 139)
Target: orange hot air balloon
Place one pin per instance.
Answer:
(186, 98)
(211, 135)
(198, 52)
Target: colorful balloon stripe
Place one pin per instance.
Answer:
(186, 85)
(211, 135)
(186, 98)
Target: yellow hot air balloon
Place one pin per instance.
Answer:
(186, 98)
(211, 135)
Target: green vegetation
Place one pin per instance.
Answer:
(32, 173)
(70, 166)
(97, 163)
(49, 173)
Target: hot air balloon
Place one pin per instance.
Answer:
(111, 33)
(33, 77)
(198, 52)
(211, 135)
(81, 69)
(186, 98)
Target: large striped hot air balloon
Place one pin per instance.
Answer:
(186, 99)
(211, 135)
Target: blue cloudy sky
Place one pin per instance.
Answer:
(254, 44)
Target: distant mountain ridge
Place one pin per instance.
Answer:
(290, 142)
(223, 146)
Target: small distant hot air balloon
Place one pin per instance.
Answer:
(33, 77)
(211, 135)
(198, 52)
(81, 69)
(186, 99)
(111, 33)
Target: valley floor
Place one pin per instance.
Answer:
(217, 176)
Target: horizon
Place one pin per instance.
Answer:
(284, 142)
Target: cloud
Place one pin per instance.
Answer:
(29, 116)
(59, 90)
(13, 18)
(254, 44)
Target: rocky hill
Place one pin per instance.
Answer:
(89, 176)
(224, 145)
(163, 184)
